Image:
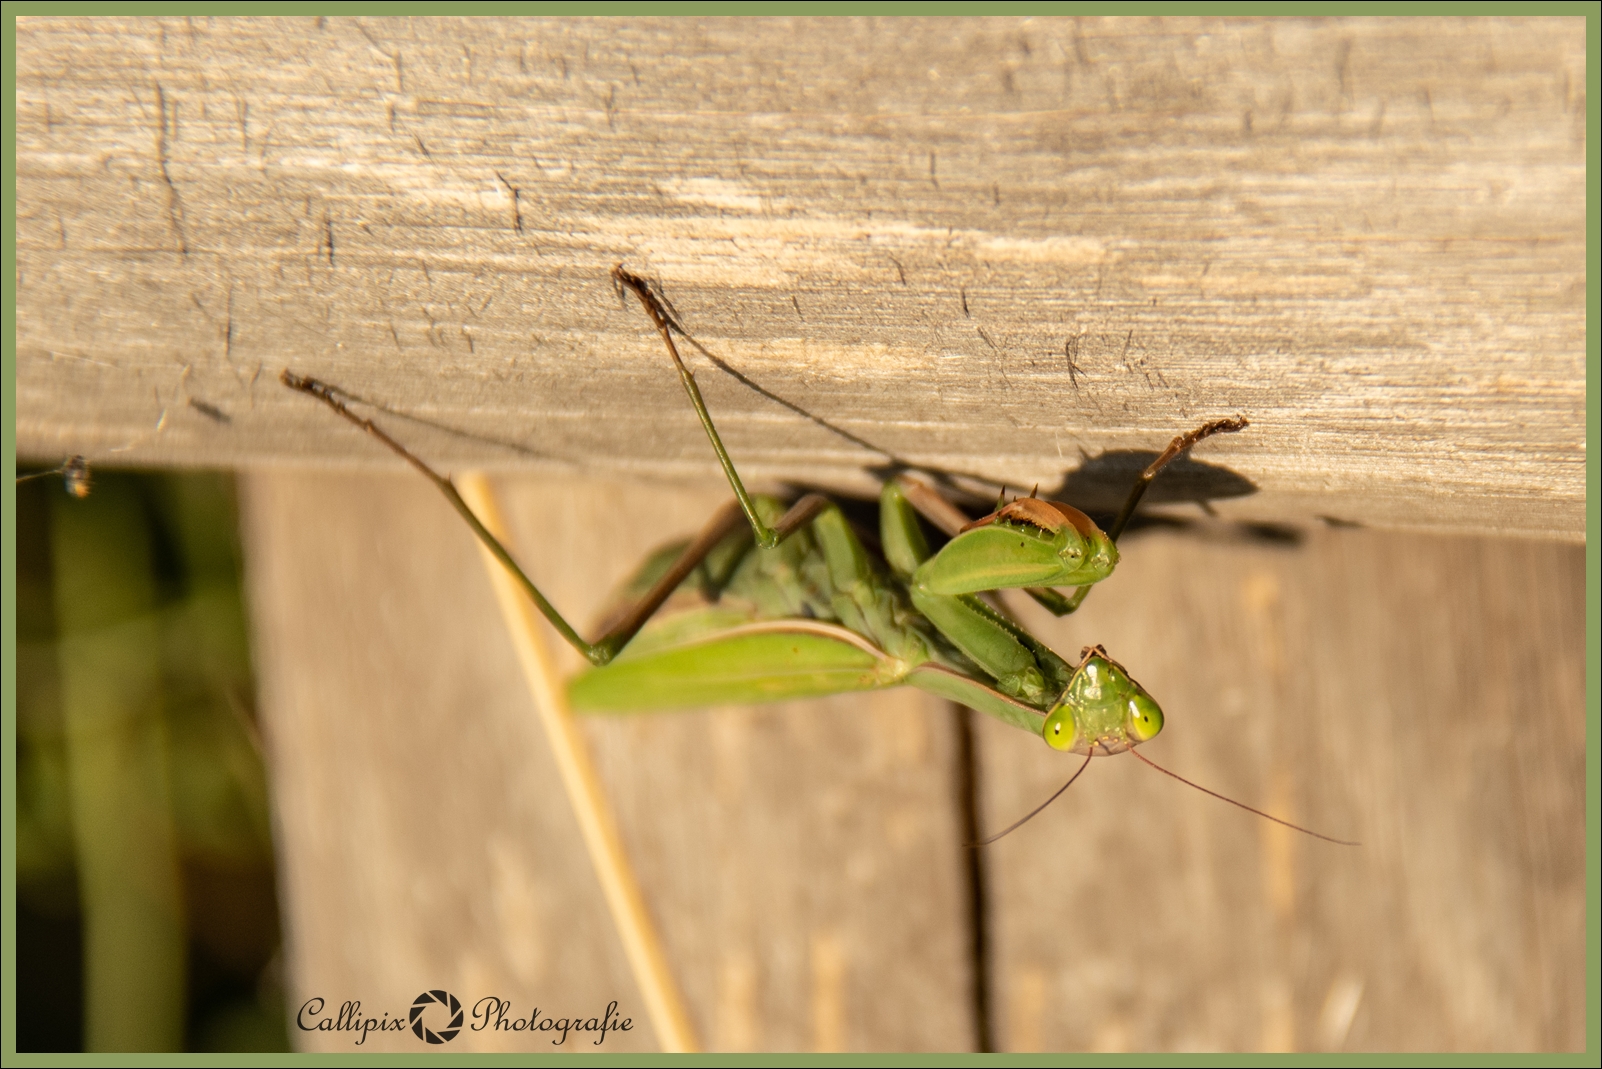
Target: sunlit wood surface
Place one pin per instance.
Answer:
(990, 245)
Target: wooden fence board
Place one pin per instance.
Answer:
(988, 245)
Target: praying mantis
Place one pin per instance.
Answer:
(774, 602)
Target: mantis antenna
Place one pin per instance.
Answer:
(1243, 805)
(1222, 798)
(1015, 825)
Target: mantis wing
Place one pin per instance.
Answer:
(774, 660)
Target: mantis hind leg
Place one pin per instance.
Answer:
(804, 510)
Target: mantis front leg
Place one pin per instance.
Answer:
(1022, 667)
(995, 566)
(1060, 605)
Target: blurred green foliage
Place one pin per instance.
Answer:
(144, 842)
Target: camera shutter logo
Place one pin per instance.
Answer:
(427, 999)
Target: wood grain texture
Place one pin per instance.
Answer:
(993, 246)
(1424, 695)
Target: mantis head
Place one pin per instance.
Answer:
(1102, 710)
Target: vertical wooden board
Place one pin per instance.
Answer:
(1424, 695)
(803, 861)
(810, 851)
(424, 838)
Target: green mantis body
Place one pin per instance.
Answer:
(819, 614)
(770, 603)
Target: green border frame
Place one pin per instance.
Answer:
(1593, 551)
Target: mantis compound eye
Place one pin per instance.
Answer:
(1145, 718)
(1060, 729)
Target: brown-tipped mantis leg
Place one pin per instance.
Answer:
(1175, 447)
(766, 537)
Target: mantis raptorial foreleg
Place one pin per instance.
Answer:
(934, 507)
(1021, 666)
(1059, 604)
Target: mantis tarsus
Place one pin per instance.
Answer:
(74, 472)
(773, 602)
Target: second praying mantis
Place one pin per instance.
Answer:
(773, 602)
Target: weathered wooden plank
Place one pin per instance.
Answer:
(803, 862)
(986, 245)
